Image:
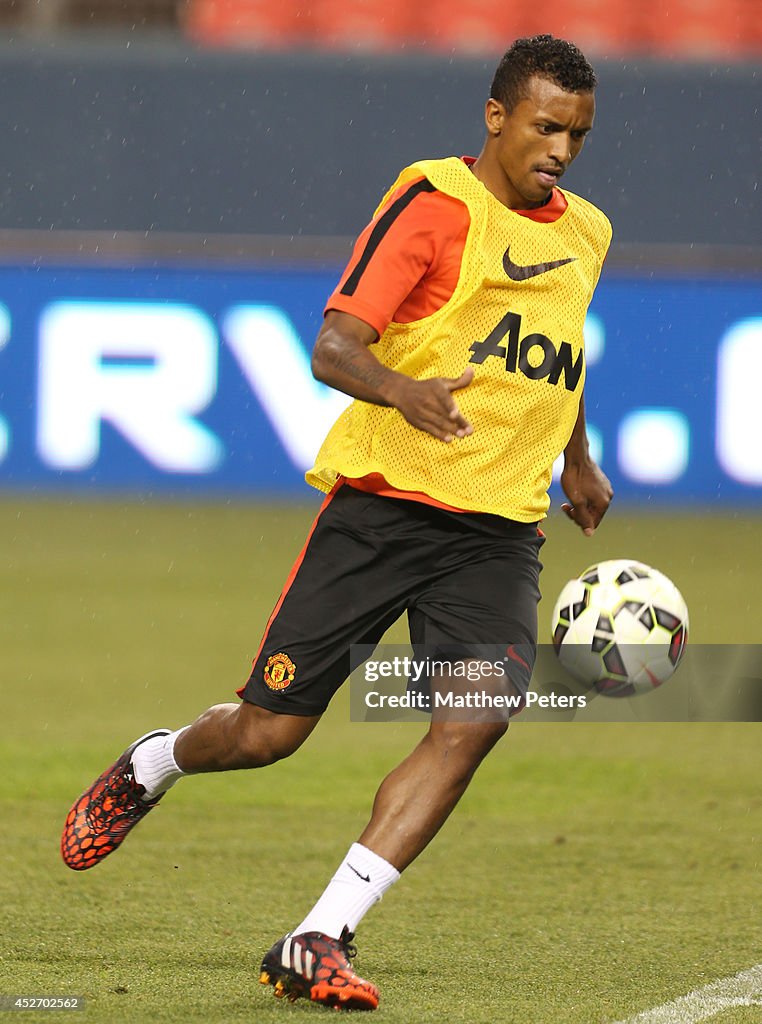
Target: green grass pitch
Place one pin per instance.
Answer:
(590, 872)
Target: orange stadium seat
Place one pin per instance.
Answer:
(703, 28)
(677, 28)
(489, 26)
(248, 23)
(364, 24)
(598, 27)
(474, 26)
(753, 23)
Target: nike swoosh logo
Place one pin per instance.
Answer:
(518, 273)
(513, 654)
(365, 878)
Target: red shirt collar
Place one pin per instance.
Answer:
(545, 214)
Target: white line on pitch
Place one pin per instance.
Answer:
(744, 989)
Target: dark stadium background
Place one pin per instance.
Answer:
(224, 153)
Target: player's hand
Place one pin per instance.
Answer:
(589, 492)
(429, 405)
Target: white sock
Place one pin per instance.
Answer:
(361, 880)
(154, 764)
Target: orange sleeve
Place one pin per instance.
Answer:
(406, 263)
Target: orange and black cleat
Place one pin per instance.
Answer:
(100, 819)
(318, 967)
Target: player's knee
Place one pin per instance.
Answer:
(468, 743)
(263, 737)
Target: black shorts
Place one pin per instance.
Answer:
(463, 578)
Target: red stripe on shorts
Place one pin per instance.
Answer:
(292, 575)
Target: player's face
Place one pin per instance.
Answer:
(535, 143)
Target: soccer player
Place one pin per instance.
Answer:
(458, 329)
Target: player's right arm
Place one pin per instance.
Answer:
(404, 266)
(342, 359)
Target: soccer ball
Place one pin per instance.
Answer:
(621, 627)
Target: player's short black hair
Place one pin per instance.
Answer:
(546, 57)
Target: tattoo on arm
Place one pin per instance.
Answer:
(350, 365)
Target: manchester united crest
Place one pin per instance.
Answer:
(279, 671)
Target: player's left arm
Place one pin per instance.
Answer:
(585, 485)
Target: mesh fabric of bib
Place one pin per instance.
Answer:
(516, 316)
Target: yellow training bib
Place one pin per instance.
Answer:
(516, 316)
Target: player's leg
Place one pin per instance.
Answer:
(325, 606)
(242, 735)
(487, 607)
(484, 592)
(417, 797)
(225, 737)
(410, 807)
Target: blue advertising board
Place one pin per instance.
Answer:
(188, 380)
